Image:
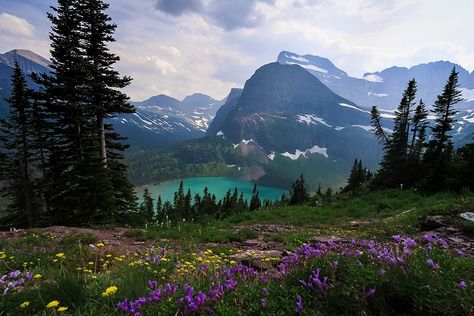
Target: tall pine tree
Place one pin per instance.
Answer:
(82, 91)
(18, 167)
(438, 158)
(394, 166)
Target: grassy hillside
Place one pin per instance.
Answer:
(277, 261)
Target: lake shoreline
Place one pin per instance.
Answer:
(216, 185)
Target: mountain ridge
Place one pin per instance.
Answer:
(383, 88)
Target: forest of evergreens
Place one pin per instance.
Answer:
(60, 161)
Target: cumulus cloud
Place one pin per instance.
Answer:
(227, 14)
(16, 25)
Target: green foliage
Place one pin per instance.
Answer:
(242, 235)
(78, 238)
(135, 233)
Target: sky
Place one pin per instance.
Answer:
(179, 47)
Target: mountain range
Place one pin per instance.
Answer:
(300, 114)
(383, 88)
(159, 122)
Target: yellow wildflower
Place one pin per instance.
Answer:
(52, 304)
(111, 290)
(62, 309)
(100, 244)
(61, 255)
(25, 304)
(37, 276)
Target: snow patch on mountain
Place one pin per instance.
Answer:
(364, 127)
(380, 95)
(305, 153)
(352, 107)
(373, 78)
(469, 118)
(467, 94)
(298, 58)
(308, 66)
(387, 115)
(311, 119)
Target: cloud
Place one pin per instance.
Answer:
(16, 25)
(227, 14)
(179, 7)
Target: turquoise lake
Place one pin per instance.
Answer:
(216, 185)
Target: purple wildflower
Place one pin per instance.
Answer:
(188, 290)
(428, 238)
(432, 264)
(409, 242)
(265, 291)
(397, 238)
(152, 284)
(461, 284)
(370, 292)
(263, 302)
(230, 285)
(299, 305)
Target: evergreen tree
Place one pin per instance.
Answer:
(179, 202)
(159, 207)
(78, 187)
(104, 98)
(394, 166)
(438, 158)
(418, 132)
(40, 145)
(328, 195)
(255, 202)
(377, 126)
(188, 205)
(319, 192)
(17, 169)
(445, 112)
(241, 203)
(147, 206)
(357, 177)
(87, 182)
(465, 170)
(298, 192)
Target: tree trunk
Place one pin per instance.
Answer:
(103, 147)
(27, 192)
